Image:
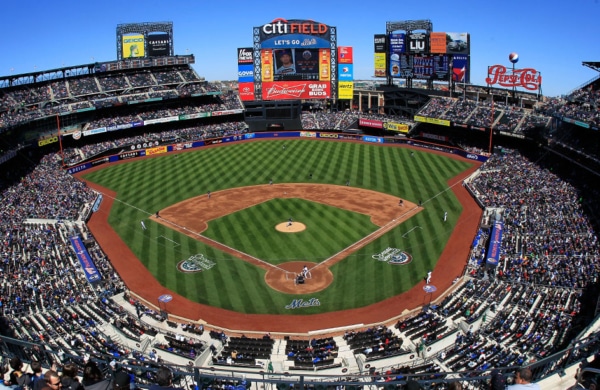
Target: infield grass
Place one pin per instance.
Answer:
(252, 230)
(146, 185)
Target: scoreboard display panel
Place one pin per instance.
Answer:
(439, 56)
(300, 64)
(296, 59)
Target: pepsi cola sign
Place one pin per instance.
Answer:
(527, 78)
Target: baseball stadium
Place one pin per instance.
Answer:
(300, 230)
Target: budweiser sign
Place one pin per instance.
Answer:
(296, 90)
(527, 78)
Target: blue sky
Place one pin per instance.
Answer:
(552, 36)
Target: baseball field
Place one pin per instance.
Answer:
(367, 221)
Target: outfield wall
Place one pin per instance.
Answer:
(143, 150)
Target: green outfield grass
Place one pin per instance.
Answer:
(147, 185)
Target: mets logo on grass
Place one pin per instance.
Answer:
(195, 263)
(300, 303)
(394, 256)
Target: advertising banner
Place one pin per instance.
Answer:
(437, 42)
(457, 43)
(379, 41)
(393, 126)
(345, 72)
(266, 60)
(85, 260)
(527, 78)
(244, 55)
(459, 69)
(283, 90)
(495, 244)
(47, 141)
(133, 46)
(246, 91)
(345, 55)
(370, 138)
(370, 123)
(245, 73)
(195, 115)
(158, 45)
(345, 90)
(435, 121)
(94, 131)
(379, 64)
(293, 33)
(418, 43)
(157, 150)
(398, 43)
(328, 135)
(161, 120)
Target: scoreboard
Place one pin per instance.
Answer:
(423, 55)
(291, 59)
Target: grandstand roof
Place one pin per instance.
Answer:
(592, 64)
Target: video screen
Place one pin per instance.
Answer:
(300, 64)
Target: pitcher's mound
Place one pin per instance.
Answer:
(295, 227)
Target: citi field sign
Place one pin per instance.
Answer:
(282, 26)
(294, 33)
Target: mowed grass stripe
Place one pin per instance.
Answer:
(319, 241)
(169, 179)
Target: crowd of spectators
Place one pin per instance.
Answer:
(322, 120)
(533, 296)
(343, 120)
(481, 114)
(582, 105)
(548, 240)
(27, 103)
(75, 155)
(39, 269)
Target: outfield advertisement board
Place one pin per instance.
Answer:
(399, 127)
(374, 123)
(142, 152)
(435, 121)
